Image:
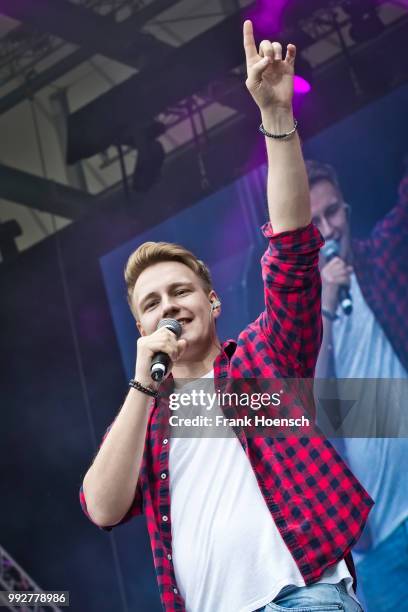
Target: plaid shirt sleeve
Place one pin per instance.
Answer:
(381, 267)
(291, 322)
(135, 509)
(389, 238)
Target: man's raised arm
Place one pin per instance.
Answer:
(270, 82)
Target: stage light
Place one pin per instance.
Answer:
(150, 154)
(9, 230)
(301, 85)
(149, 162)
(303, 76)
(365, 22)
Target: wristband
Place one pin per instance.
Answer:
(329, 315)
(279, 136)
(136, 385)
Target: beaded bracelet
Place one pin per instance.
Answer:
(278, 136)
(329, 315)
(136, 385)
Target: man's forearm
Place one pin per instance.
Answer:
(288, 189)
(110, 483)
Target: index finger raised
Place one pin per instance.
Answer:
(251, 52)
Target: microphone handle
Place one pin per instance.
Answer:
(345, 300)
(159, 366)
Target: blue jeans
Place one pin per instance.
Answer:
(319, 597)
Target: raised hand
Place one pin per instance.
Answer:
(269, 77)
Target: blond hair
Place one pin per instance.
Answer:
(150, 253)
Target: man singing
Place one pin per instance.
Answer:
(242, 523)
(369, 343)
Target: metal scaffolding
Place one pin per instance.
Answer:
(28, 51)
(14, 579)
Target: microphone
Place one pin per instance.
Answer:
(161, 361)
(331, 249)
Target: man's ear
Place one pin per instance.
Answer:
(212, 296)
(214, 300)
(140, 328)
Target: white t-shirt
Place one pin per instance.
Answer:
(362, 350)
(228, 554)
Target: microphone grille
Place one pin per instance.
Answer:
(171, 324)
(330, 249)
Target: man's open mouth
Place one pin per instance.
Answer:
(184, 322)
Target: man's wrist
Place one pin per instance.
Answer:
(330, 298)
(146, 381)
(145, 389)
(329, 313)
(278, 120)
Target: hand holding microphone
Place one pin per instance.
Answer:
(335, 280)
(157, 352)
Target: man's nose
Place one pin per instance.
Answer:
(169, 308)
(326, 229)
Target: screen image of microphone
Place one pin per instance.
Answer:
(161, 361)
(331, 249)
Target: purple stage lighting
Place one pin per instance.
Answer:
(301, 85)
(266, 16)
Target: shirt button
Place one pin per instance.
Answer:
(165, 441)
(165, 518)
(169, 557)
(175, 591)
(163, 475)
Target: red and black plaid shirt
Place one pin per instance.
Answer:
(381, 267)
(319, 507)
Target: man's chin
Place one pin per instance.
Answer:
(195, 347)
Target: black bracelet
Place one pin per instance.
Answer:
(329, 315)
(278, 136)
(136, 385)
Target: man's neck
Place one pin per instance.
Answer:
(196, 369)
